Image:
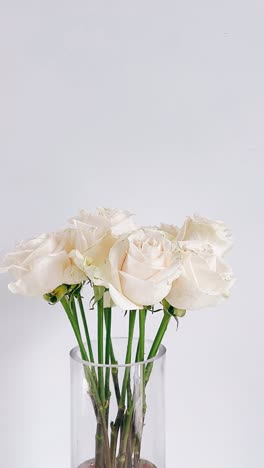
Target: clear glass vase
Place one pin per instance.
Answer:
(127, 430)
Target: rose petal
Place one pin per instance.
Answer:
(211, 232)
(117, 256)
(141, 291)
(139, 269)
(45, 275)
(199, 286)
(122, 301)
(73, 275)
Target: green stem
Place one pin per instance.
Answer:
(85, 326)
(99, 409)
(100, 343)
(115, 373)
(74, 312)
(75, 326)
(146, 375)
(108, 321)
(156, 343)
(125, 452)
(124, 437)
(99, 453)
(88, 374)
(140, 357)
(87, 336)
(142, 323)
(121, 407)
(114, 369)
(99, 460)
(132, 317)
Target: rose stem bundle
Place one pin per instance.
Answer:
(95, 396)
(99, 388)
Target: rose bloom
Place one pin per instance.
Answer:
(206, 279)
(94, 234)
(42, 264)
(140, 269)
(207, 231)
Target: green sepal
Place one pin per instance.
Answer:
(98, 293)
(56, 295)
(174, 311)
(75, 289)
(179, 312)
(149, 307)
(50, 298)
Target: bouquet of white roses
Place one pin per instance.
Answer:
(136, 268)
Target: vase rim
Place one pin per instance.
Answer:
(74, 355)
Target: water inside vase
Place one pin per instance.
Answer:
(142, 464)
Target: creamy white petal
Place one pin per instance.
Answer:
(91, 220)
(200, 286)
(123, 227)
(184, 294)
(108, 302)
(170, 273)
(139, 269)
(208, 281)
(144, 292)
(16, 271)
(170, 229)
(47, 246)
(45, 275)
(117, 256)
(78, 259)
(117, 222)
(143, 266)
(122, 301)
(99, 252)
(208, 231)
(73, 275)
(101, 276)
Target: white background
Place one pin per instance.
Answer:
(155, 107)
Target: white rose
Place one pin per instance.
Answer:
(205, 280)
(214, 233)
(140, 270)
(94, 234)
(170, 229)
(42, 264)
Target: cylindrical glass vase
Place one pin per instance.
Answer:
(119, 424)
